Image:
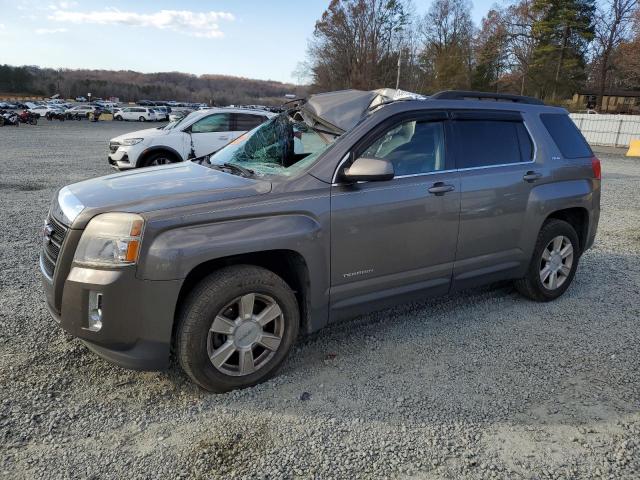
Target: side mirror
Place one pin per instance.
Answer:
(369, 170)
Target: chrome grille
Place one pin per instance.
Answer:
(54, 236)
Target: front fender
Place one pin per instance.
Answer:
(175, 252)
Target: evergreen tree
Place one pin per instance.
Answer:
(563, 33)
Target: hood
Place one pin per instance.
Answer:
(159, 188)
(146, 133)
(342, 110)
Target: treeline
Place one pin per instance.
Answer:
(545, 48)
(131, 86)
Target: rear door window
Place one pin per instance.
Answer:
(566, 135)
(220, 122)
(246, 121)
(494, 140)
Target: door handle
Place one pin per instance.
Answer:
(440, 188)
(531, 176)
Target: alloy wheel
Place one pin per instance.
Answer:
(556, 262)
(245, 335)
(159, 161)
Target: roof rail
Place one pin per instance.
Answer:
(496, 97)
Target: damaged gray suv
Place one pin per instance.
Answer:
(350, 202)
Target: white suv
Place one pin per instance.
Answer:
(141, 114)
(199, 133)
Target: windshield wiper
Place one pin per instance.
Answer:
(245, 172)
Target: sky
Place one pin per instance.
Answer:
(262, 39)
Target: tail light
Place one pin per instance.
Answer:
(597, 169)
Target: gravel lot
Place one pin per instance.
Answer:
(482, 384)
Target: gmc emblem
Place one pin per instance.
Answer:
(47, 231)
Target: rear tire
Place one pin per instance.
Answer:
(553, 264)
(142, 119)
(259, 313)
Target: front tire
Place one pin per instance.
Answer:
(158, 158)
(553, 264)
(236, 328)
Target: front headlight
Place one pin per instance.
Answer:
(111, 239)
(131, 141)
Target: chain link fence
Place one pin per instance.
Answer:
(608, 130)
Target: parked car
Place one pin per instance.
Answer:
(83, 111)
(347, 204)
(177, 115)
(162, 113)
(195, 135)
(81, 99)
(107, 106)
(141, 114)
(56, 102)
(42, 110)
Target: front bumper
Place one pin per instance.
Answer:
(137, 315)
(126, 156)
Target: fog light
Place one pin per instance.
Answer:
(95, 311)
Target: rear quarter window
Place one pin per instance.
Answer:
(566, 135)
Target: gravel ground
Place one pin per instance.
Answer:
(483, 384)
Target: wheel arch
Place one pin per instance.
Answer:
(578, 218)
(159, 148)
(287, 264)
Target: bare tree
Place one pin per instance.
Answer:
(447, 54)
(490, 52)
(354, 44)
(612, 26)
(519, 19)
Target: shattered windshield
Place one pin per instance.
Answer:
(281, 146)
